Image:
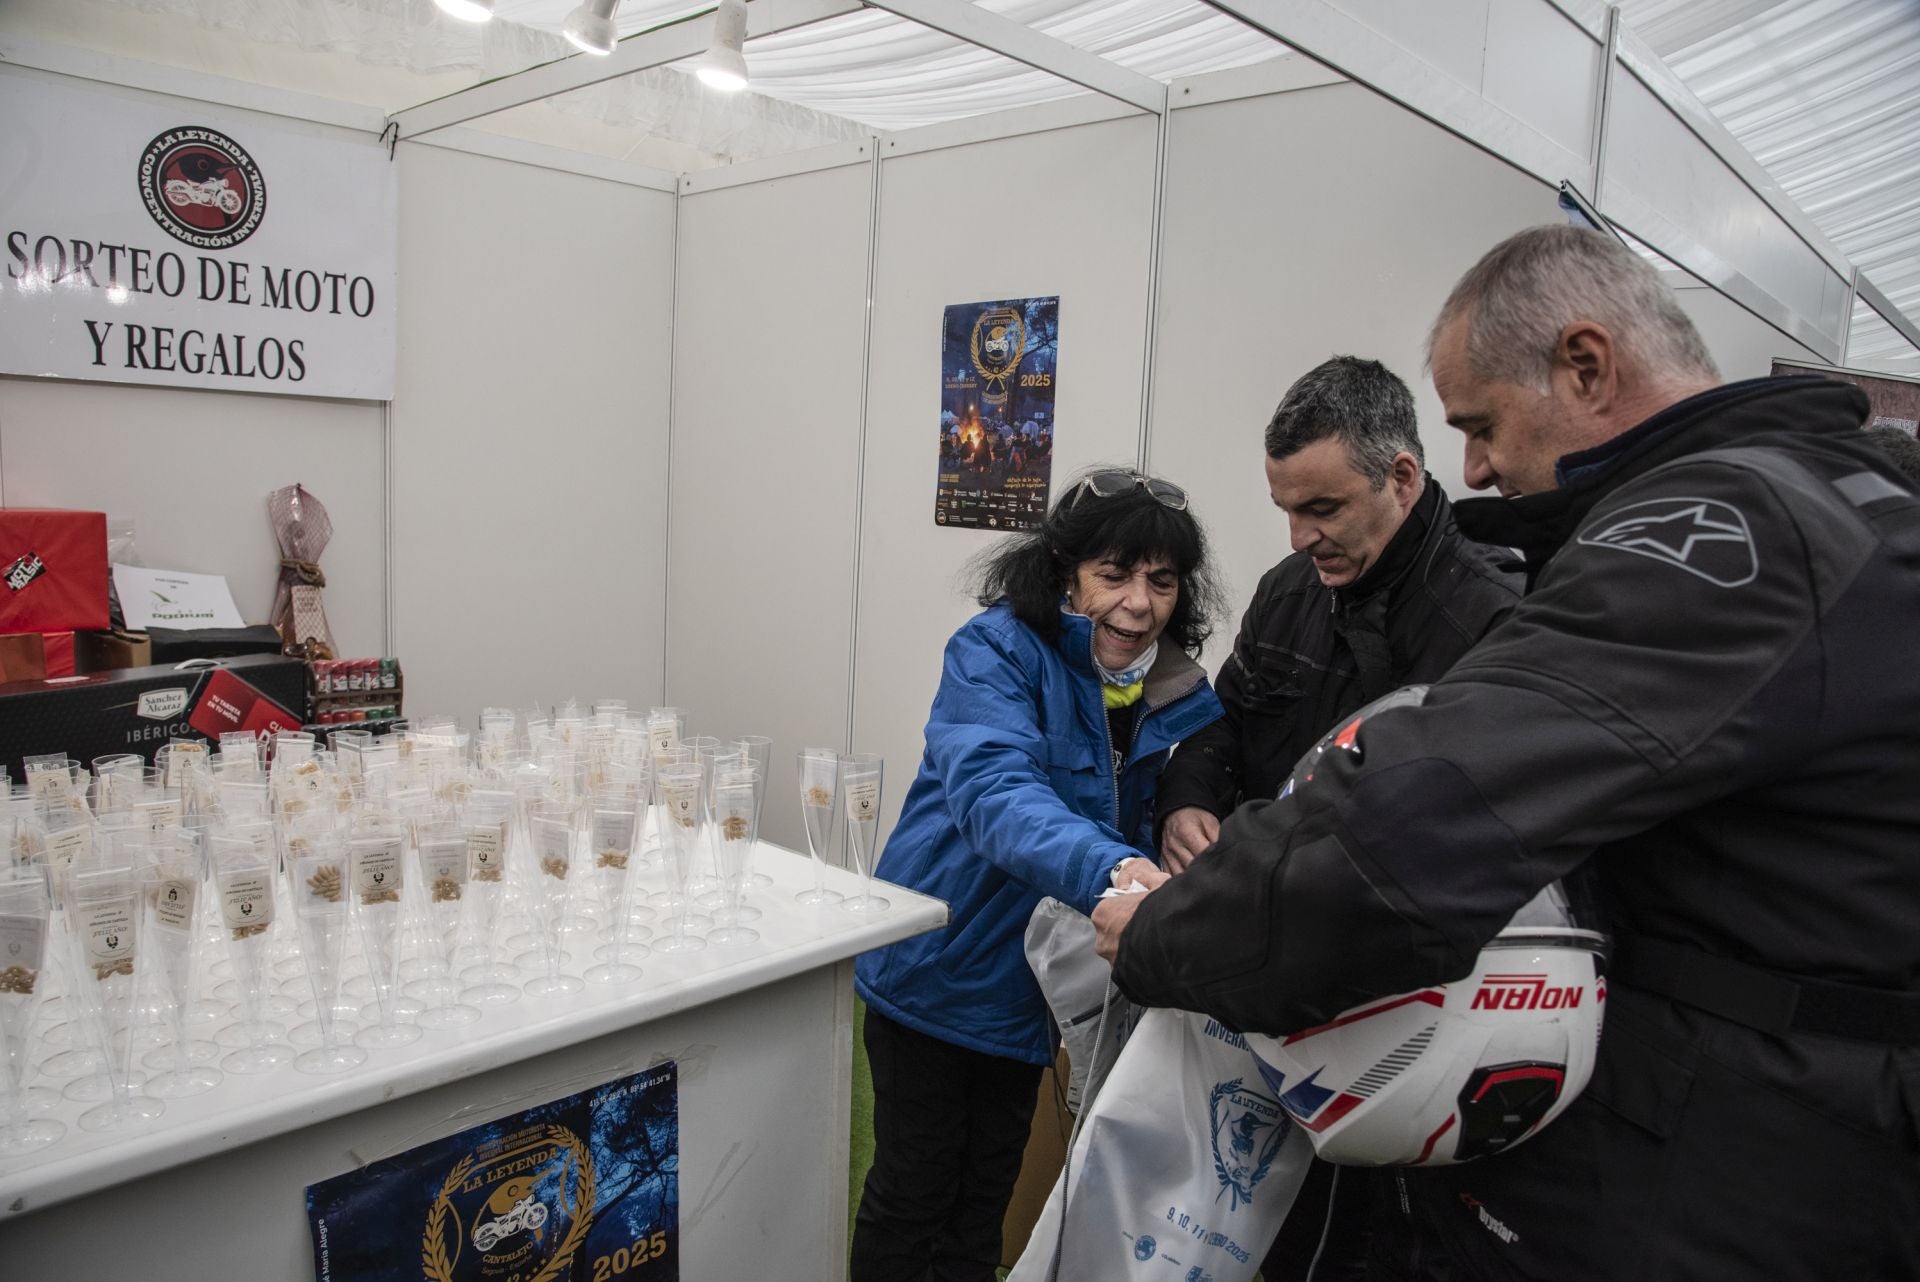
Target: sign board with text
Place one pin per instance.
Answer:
(158, 240)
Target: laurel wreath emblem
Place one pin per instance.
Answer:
(438, 1266)
(995, 390)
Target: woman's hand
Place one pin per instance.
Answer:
(1141, 870)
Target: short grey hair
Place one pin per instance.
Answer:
(1533, 284)
(1360, 402)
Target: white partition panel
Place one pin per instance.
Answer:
(771, 305)
(1742, 344)
(529, 434)
(1065, 213)
(193, 470)
(1301, 226)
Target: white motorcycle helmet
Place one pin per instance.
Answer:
(1453, 1071)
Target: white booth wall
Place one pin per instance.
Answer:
(766, 437)
(529, 435)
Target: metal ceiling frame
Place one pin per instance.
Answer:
(689, 37)
(988, 30)
(670, 42)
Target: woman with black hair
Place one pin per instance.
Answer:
(1056, 708)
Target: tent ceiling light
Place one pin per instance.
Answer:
(724, 65)
(467, 10)
(590, 27)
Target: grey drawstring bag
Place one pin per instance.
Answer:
(1093, 1018)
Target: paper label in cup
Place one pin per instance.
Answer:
(816, 781)
(377, 871)
(23, 941)
(62, 846)
(553, 847)
(173, 903)
(486, 844)
(180, 756)
(612, 838)
(683, 803)
(164, 813)
(445, 866)
(107, 928)
(863, 800)
(733, 813)
(246, 901)
(663, 737)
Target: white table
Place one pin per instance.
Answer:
(214, 1190)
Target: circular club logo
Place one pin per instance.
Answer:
(202, 187)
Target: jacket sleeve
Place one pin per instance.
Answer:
(994, 759)
(1659, 664)
(1205, 769)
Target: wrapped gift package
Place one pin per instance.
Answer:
(29, 656)
(139, 709)
(53, 564)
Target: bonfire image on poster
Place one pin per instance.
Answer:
(997, 382)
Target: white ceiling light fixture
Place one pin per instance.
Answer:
(467, 10)
(724, 65)
(590, 27)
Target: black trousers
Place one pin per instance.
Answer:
(949, 1128)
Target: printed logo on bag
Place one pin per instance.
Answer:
(161, 705)
(25, 570)
(1248, 1130)
(202, 187)
(526, 1205)
(1144, 1247)
(1704, 537)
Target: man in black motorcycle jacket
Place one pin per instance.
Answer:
(1706, 711)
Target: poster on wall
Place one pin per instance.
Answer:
(157, 240)
(583, 1189)
(997, 382)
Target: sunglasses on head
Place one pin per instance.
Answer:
(1112, 484)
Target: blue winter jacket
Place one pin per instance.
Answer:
(1016, 799)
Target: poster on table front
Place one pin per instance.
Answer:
(997, 382)
(156, 240)
(584, 1189)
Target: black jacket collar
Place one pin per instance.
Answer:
(1403, 550)
(1735, 413)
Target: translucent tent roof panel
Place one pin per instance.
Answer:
(1825, 94)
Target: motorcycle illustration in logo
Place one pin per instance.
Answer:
(516, 1209)
(202, 187)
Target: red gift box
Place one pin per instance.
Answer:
(53, 570)
(34, 656)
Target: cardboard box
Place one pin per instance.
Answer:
(139, 709)
(111, 651)
(1040, 1167)
(53, 570)
(32, 656)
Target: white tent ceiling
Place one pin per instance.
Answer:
(1825, 94)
